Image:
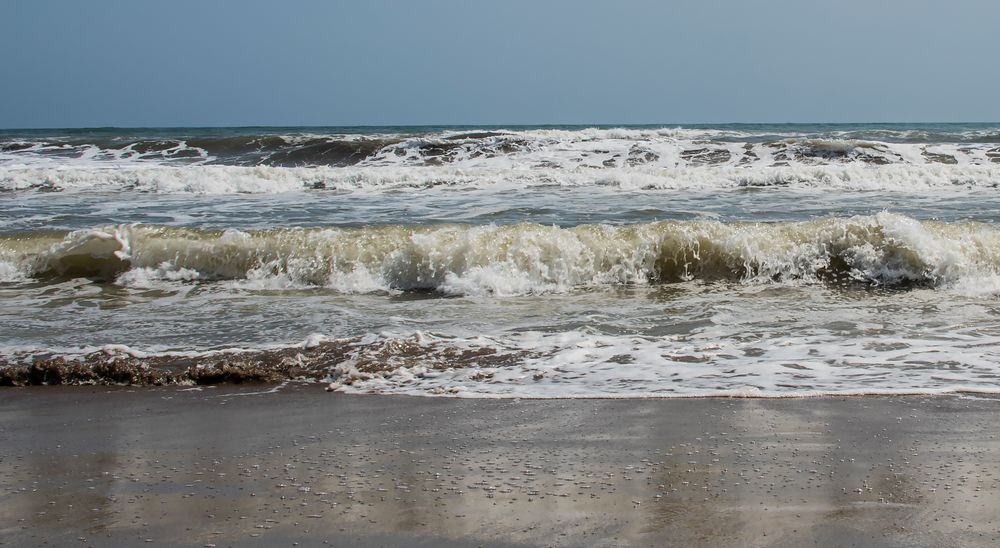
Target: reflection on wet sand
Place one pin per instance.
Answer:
(300, 465)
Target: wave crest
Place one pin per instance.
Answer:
(884, 249)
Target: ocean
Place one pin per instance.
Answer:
(775, 260)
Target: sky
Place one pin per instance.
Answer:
(405, 62)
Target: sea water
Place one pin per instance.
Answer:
(646, 261)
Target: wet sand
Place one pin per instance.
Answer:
(224, 466)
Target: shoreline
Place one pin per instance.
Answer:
(266, 380)
(237, 466)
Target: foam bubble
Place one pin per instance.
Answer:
(11, 272)
(146, 277)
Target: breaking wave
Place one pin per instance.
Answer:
(885, 249)
(222, 161)
(598, 147)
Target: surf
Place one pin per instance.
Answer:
(885, 249)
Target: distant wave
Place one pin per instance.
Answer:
(269, 150)
(565, 149)
(627, 158)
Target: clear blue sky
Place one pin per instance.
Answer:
(368, 62)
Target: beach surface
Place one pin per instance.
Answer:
(245, 466)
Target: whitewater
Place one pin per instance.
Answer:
(785, 260)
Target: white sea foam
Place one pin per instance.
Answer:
(148, 277)
(579, 364)
(751, 338)
(11, 272)
(583, 364)
(264, 180)
(168, 180)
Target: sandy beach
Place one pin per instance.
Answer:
(233, 466)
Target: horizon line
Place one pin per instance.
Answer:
(496, 125)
